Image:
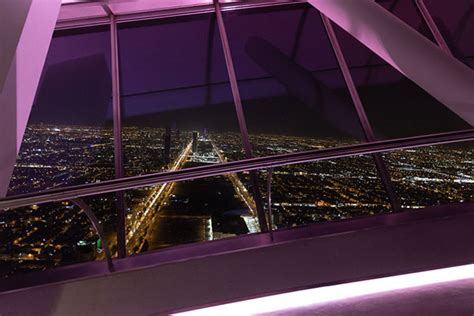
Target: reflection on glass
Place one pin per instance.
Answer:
(69, 138)
(295, 99)
(396, 107)
(176, 97)
(179, 113)
(294, 95)
(68, 141)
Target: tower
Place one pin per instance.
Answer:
(195, 141)
(167, 145)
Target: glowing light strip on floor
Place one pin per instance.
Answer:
(327, 294)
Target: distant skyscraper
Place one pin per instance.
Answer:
(195, 141)
(167, 145)
(178, 135)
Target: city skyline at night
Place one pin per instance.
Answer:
(198, 210)
(192, 156)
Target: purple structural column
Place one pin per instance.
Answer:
(425, 13)
(117, 124)
(439, 74)
(26, 29)
(240, 115)
(364, 121)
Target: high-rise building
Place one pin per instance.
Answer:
(195, 141)
(167, 145)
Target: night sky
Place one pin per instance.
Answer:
(173, 72)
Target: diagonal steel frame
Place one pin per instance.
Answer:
(364, 120)
(240, 115)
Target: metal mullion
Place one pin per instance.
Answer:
(425, 13)
(364, 121)
(117, 128)
(240, 115)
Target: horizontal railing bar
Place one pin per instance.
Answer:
(92, 189)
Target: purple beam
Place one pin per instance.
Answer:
(26, 29)
(439, 74)
(240, 115)
(117, 124)
(425, 13)
(364, 120)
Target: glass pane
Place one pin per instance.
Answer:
(294, 95)
(396, 107)
(189, 211)
(69, 139)
(50, 235)
(325, 191)
(455, 20)
(176, 97)
(295, 99)
(433, 175)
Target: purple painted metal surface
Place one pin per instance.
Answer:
(230, 245)
(425, 13)
(345, 252)
(240, 115)
(417, 58)
(117, 126)
(26, 29)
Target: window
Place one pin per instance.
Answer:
(50, 235)
(178, 112)
(69, 138)
(176, 98)
(396, 107)
(434, 175)
(293, 92)
(325, 191)
(68, 141)
(190, 211)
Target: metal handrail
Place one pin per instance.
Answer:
(233, 167)
(98, 228)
